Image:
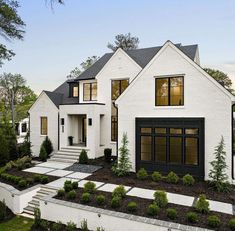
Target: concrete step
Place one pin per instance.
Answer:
(65, 157)
(71, 151)
(49, 189)
(67, 153)
(61, 160)
(73, 148)
(29, 209)
(34, 203)
(38, 197)
(24, 214)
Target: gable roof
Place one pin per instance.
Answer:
(56, 98)
(141, 56)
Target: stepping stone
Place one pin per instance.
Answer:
(111, 187)
(78, 175)
(221, 207)
(97, 183)
(56, 165)
(59, 173)
(60, 182)
(142, 193)
(180, 199)
(39, 170)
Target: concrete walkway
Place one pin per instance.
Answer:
(56, 169)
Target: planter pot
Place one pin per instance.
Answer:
(70, 140)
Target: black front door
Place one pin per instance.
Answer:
(170, 144)
(84, 130)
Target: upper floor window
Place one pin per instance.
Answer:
(90, 91)
(119, 86)
(44, 126)
(169, 91)
(75, 91)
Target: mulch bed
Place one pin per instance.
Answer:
(143, 205)
(200, 187)
(23, 174)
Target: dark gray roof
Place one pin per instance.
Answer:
(56, 98)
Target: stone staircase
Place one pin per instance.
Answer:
(43, 192)
(68, 154)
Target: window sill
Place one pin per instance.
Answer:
(43, 135)
(113, 142)
(169, 107)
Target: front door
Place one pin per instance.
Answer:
(84, 130)
(170, 144)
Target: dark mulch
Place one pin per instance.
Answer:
(143, 205)
(200, 187)
(24, 175)
(86, 168)
(9, 216)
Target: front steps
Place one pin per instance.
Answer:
(68, 154)
(34, 203)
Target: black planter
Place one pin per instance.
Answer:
(70, 140)
(107, 154)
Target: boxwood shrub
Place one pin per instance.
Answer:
(153, 209)
(100, 199)
(202, 205)
(71, 195)
(171, 213)
(86, 198)
(231, 224)
(213, 221)
(132, 206)
(119, 191)
(188, 180)
(90, 187)
(60, 192)
(172, 178)
(116, 202)
(160, 198)
(142, 174)
(156, 176)
(22, 183)
(192, 217)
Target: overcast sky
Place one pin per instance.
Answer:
(57, 41)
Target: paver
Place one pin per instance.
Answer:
(221, 207)
(142, 193)
(59, 173)
(56, 165)
(180, 199)
(40, 170)
(78, 175)
(111, 187)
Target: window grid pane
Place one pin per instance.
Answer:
(176, 91)
(160, 149)
(75, 91)
(86, 92)
(160, 130)
(162, 92)
(176, 130)
(146, 148)
(145, 130)
(191, 151)
(94, 91)
(175, 150)
(191, 131)
(44, 126)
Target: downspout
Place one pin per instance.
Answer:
(58, 131)
(117, 130)
(232, 144)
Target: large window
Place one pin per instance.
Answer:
(169, 91)
(44, 126)
(90, 91)
(118, 87)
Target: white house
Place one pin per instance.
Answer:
(173, 112)
(21, 130)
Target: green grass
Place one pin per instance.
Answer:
(17, 223)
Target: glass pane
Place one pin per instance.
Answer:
(191, 131)
(115, 89)
(86, 92)
(176, 91)
(145, 130)
(124, 84)
(23, 127)
(160, 130)
(43, 125)
(162, 92)
(75, 91)
(114, 128)
(146, 146)
(94, 91)
(175, 150)
(160, 149)
(191, 151)
(176, 131)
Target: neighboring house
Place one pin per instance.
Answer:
(173, 112)
(21, 130)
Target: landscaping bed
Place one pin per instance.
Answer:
(200, 187)
(142, 208)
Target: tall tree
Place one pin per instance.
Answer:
(83, 66)
(126, 42)
(221, 77)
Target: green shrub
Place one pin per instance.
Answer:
(116, 202)
(171, 213)
(43, 154)
(156, 176)
(71, 226)
(107, 154)
(44, 179)
(119, 191)
(68, 187)
(17, 179)
(60, 192)
(172, 178)
(72, 195)
(3, 210)
(75, 184)
(90, 187)
(67, 182)
(153, 209)
(188, 180)
(160, 198)
(30, 180)
(37, 217)
(44, 225)
(231, 224)
(22, 183)
(58, 226)
(83, 158)
(4, 149)
(192, 217)
(37, 178)
(142, 174)
(213, 221)
(202, 205)
(86, 198)
(47, 144)
(100, 229)
(132, 206)
(100, 199)
(84, 226)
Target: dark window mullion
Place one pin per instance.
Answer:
(169, 92)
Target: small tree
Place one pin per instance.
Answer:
(43, 154)
(48, 146)
(218, 175)
(123, 165)
(25, 148)
(4, 150)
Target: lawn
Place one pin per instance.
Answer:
(17, 223)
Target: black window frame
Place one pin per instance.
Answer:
(24, 127)
(120, 87)
(90, 89)
(169, 91)
(71, 87)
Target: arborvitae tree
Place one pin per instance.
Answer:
(123, 165)
(4, 151)
(47, 144)
(25, 148)
(218, 175)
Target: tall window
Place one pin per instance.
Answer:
(75, 91)
(118, 87)
(44, 126)
(90, 91)
(169, 91)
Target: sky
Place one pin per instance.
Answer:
(58, 40)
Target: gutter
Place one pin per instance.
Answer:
(117, 130)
